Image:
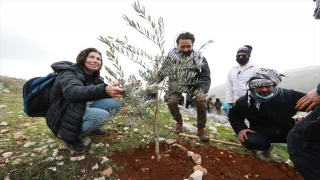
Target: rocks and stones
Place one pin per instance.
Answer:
(3, 124)
(196, 158)
(197, 175)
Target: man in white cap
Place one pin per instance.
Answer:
(269, 110)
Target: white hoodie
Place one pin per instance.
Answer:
(237, 79)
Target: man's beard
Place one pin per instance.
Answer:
(186, 53)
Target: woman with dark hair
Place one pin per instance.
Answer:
(81, 102)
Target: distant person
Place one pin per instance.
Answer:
(208, 105)
(181, 100)
(239, 75)
(226, 107)
(184, 48)
(81, 102)
(304, 139)
(211, 105)
(218, 105)
(189, 102)
(268, 108)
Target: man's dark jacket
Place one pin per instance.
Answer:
(203, 75)
(70, 93)
(273, 118)
(304, 144)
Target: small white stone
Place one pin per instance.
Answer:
(7, 161)
(126, 128)
(3, 106)
(135, 130)
(4, 131)
(7, 154)
(104, 159)
(59, 158)
(197, 175)
(53, 168)
(28, 144)
(55, 153)
(4, 124)
(16, 161)
(190, 153)
(95, 167)
(77, 158)
(170, 141)
(178, 145)
(60, 163)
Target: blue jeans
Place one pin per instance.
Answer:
(226, 111)
(211, 110)
(98, 114)
(260, 142)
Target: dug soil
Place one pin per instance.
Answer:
(141, 163)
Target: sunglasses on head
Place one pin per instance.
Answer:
(242, 55)
(187, 46)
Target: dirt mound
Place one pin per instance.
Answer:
(141, 163)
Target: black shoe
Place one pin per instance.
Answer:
(77, 147)
(99, 132)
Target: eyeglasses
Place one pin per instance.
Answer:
(242, 55)
(187, 46)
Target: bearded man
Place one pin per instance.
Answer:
(184, 50)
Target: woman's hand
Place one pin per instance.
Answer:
(114, 91)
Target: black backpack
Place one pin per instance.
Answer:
(36, 95)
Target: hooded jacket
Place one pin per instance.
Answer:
(73, 87)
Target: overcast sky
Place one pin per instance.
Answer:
(34, 34)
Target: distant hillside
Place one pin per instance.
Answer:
(301, 79)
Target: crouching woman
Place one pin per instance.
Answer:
(81, 102)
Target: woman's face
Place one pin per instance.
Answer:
(93, 62)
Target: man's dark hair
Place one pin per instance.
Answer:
(185, 35)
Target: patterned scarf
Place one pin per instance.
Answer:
(197, 56)
(258, 100)
(264, 77)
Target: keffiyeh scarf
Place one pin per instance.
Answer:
(197, 56)
(258, 100)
